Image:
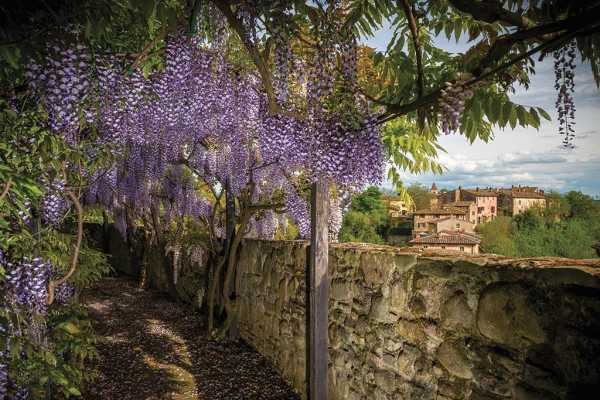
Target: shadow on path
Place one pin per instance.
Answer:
(152, 348)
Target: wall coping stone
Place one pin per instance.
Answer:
(590, 265)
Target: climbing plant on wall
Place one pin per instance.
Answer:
(154, 110)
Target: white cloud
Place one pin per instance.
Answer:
(548, 170)
(526, 155)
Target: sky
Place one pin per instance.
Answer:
(524, 156)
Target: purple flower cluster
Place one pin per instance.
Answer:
(27, 283)
(452, 105)
(25, 215)
(64, 293)
(349, 57)
(335, 218)
(20, 394)
(200, 111)
(297, 209)
(282, 58)
(564, 72)
(3, 352)
(267, 225)
(65, 82)
(54, 204)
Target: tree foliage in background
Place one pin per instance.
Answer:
(367, 219)
(420, 195)
(569, 227)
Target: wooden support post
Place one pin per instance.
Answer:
(318, 288)
(229, 233)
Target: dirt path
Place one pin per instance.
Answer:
(152, 348)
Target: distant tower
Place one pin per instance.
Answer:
(433, 202)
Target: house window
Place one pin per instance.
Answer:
(458, 226)
(480, 210)
(493, 209)
(443, 247)
(519, 202)
(425, 246)
(462, 248)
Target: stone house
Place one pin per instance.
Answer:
(485, 200)
(516, 200)
(452, 224)
(425, 221)
(447, 240)
(468, 207)
(397, 208)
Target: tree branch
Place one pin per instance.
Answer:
(6, 189)
(259, 60)
(492, 11)
(574, 26)
(143, 55)
(412, 23)
(254, 53)
(52, 285)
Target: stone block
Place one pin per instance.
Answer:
(381, 312)
(456, 313)
(506, 316)
(375, 271)
(453, 357)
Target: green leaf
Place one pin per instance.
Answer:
(522, 115)
(50, 358)
(534, 118)
(512, 118)
(544, 114)
(448, 30)
(476, 108)
(505, 113)
(59, 377)
(69, 327)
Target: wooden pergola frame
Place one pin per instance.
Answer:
(318, 293)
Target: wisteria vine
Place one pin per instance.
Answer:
(564, 73)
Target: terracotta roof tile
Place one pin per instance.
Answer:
(441, 211)
(527, 195)
(460, 203)
(447, 238)
(481, 192)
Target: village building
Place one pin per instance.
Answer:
(485, 201)
(517, 200)
(468, 207)
(397, 208)
(447, 240)
(426, 221)
(453, 224)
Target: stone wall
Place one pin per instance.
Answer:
(409, 326)
(425, 326)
